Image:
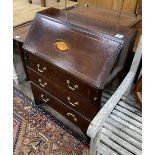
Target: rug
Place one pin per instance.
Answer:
(24, 12)
(35, 132)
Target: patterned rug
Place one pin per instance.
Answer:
(38, 133)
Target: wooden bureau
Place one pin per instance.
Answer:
(69, 64)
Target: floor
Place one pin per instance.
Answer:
(25, 88)
(23, 11)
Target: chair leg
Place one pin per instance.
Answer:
(58, 0)
(43, 3)
(30, 1)
(93, 143)
(15, 75)
(93, 146)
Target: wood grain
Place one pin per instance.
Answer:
(24, 12)
(129, 6)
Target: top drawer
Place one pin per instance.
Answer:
(65, 79)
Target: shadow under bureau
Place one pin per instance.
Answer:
(68, 64)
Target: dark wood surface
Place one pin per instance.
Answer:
(18, 46)
(55, 73)
(140, 7)
(30, 1)
(63, 94)
(59, 106)
(19, 35)
(99, 21)
(43, 2)
(138, 90)
(99, 52)
(96, 19)
(105, 16)
(103, 20)
(20, 32)
(74, 57)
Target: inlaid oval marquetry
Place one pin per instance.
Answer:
(62, 45)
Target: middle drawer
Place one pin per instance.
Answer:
(66, 96)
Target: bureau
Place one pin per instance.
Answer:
(69, 63)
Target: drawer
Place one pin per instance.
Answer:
(43, 97)
(65, 79)
(66, 96)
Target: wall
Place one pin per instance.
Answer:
(129, 6)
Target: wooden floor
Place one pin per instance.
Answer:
(24, 12)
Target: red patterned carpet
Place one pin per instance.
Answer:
(38, 133)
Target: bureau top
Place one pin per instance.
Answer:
(105, 16)
(86, 54)
(102, 20)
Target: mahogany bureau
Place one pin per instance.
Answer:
(69, 63)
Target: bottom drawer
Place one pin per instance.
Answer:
(42, 96)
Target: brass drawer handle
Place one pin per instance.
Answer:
(45, 100)
(73, 104)
(41, 70)
(72, 88)
(70, 114)
(42, 84)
